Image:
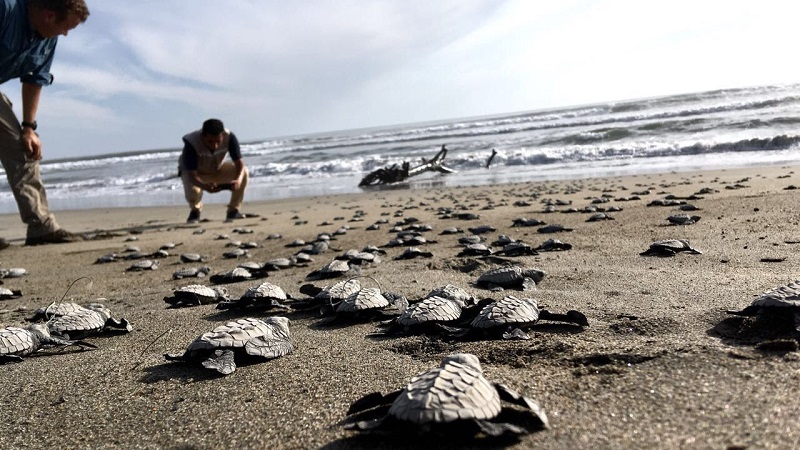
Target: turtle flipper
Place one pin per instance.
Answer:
(499, 429)
(510, 395)
(514, 333)
(121, 324)
(747, 312)
(222, 361)
(268, 347)
(571, 316)
(4, 359)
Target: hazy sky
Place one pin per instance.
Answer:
(140, 74)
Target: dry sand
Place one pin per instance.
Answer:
(661, 364)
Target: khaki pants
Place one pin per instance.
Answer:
(23, 175)
(194, 195)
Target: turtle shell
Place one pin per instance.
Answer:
(452, 292)
(146, 264)
(16, 341)
(431, 309)
(339, 291)
(82, 322)
(269, 338)
(6, 293)
(266, 290)
(456, 390)
(364, 299)
(786, 296)
(194, 294)
(510, 276)
(509, 310)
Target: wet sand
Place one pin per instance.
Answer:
(660, 366)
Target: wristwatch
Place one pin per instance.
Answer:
(31, 125)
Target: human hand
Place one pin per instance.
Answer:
(31, 143)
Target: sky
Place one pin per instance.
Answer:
(138, 75)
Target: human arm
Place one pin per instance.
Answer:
(30, 105)
(235, 151)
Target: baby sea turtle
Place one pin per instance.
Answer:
(414, 252)
(364, 303)
(515, 277)
(511, 316)
(424, 314)
(327, 296)
(196, 294)
(553, 245)
(145, 264)
(235, 275)
(192, 257)
(526, 222)
(599, 217)
(479, 249)
(268, 338)
(16, 342)
(13, 272)
(780, 302)
(264, 296)
(6, 293)
(333, 269)
(191, 272)
(554, 228)
(454, 400)
(670, 247)
(683, 219)
(79, 321)
(517, 248)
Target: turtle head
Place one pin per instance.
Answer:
(465, 359)
(40, 331)
(534, 274)
(279, 321)
(101, 309)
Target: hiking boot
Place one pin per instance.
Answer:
(194, 216)
(235, 214)
(60, 236)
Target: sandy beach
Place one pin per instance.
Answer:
(660, 366)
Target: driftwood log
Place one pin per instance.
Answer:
(396, 174)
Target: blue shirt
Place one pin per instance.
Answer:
(23, 53)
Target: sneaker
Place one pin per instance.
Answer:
(235, 214)
(60, 236)
(194, 216)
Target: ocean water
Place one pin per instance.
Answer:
(715, 129)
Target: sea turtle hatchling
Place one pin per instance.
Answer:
(78, 322)
(670, 247)
(191, 272)
(511, 316)
(364, 303)
(235, 275)
(16, 342)
(515, 277)
(196, 294)
(683, 219)
(453, 400)
(782, 302)
(333, 269)
(145, 264)
(6, 294)
(427, 313)
(264, 296)
(217, 349)
(328, 295)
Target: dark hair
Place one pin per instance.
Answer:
(213, 126)
(64, 7)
